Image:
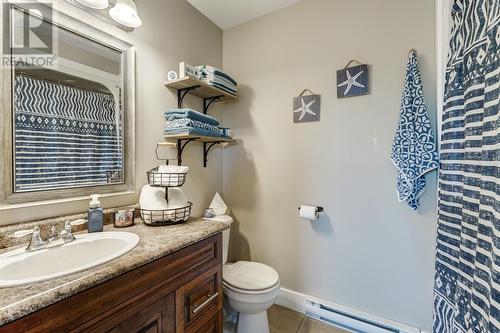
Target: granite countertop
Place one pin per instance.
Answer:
(156, 242)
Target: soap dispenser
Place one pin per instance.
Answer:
(96, 215)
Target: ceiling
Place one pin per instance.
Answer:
(230, 13)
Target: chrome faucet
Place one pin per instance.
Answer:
(56, 238)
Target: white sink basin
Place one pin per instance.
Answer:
(19, 267)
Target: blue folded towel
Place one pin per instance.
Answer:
(188, 130)
(173, 114)
(172, 124)
(414, 152)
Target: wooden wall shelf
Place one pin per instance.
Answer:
(210, 95)
(208, 143)
(199, 88)
(198, 138)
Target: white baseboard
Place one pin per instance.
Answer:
(296, 301)
(292, 300)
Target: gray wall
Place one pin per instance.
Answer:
(369, 252)
(172, 31)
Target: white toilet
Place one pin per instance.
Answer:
(250, 288)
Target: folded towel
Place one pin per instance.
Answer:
(220, 80)
(164, 168)
(186, 130)
(190, 123)
(226, 89)
(226, 132)
(414, 152)
(173, 114)
(168, 175)
(205, 70)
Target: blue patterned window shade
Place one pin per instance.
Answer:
(65, 136)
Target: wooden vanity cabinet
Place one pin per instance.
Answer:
(179, 293)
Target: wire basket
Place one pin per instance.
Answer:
(162, 179)
(166, 217)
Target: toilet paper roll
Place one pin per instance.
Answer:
(309, 212)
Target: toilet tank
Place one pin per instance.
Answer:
(225, 245)
(225, 234)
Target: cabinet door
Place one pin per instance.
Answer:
(153, 319)
(199, 300)
(142, 317)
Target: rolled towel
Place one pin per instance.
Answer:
(176, 198)
(153, 198)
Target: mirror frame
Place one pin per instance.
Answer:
(7, 194)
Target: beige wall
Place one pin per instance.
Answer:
(369, 251)
(173, 31)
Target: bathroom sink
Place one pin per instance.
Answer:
(19, 267)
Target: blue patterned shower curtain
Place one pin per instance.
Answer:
(65, 136)
(467, 284)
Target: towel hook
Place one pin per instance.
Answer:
(412, 51)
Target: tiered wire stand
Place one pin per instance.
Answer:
(168, 216)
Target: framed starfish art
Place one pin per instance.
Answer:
(352, 81)
(306, 108)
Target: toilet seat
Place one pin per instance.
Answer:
(249, 277)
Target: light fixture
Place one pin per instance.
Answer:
(94, 4)
(125, 13)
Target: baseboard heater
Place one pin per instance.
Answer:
(352, 320)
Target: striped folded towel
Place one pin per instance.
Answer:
(172, 124)
(189, 130)
(173, 114)
(218, 79)
(207, 71)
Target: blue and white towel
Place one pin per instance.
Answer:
(218, 78)
(173, 114)
(414, 151)
(172, 124)
(189, 130)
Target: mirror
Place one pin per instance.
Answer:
(68, 118)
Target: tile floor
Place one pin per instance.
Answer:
(283, 320)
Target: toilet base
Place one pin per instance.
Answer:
(253, 323)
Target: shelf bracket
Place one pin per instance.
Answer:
(181, 94)
(206, 148)
(181, 146)
(207, 102)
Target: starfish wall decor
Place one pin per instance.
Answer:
(306, 108)
(352, 81)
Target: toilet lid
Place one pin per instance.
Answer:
(248, 275)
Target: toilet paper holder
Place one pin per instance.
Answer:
(318, 209)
